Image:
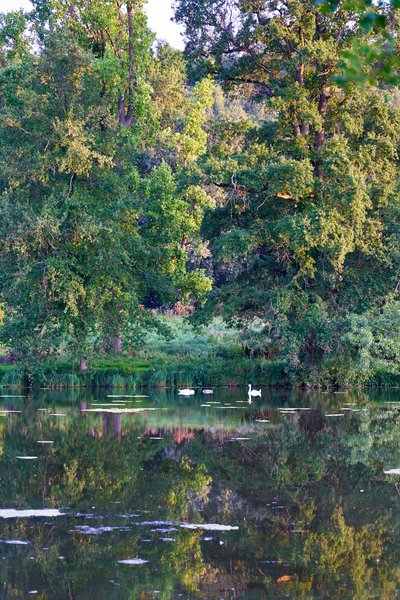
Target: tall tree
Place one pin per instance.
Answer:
(118, 36)
(89, 230)
(305, 232)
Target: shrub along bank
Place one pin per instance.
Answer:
(213, 356)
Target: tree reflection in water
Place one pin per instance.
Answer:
(317, 516)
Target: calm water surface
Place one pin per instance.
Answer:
(201, 497)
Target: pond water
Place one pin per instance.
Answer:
(146, 494)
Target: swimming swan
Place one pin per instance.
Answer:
(254, 392)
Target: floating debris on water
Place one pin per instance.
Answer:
(110, 404)
(45, 442)
(133, 561)
(209, 526)
(155, 523)
(15, 542)
(27, 457)
(126, 396)
(335, 415)
(117, 410)
(232, 407)
(12, 513)
(184, 525)
(87, 530)
(297, 531)
(392, 472)
(294, 408)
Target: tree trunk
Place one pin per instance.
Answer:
(125, 116)
(113, 343)
(320, 134)
(83, 365)
(304, 129)
(125, 99)
(117, 341)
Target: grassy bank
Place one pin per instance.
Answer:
(214, 356)
(124, 372)
(159, 371)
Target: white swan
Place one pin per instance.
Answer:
(253, 393)
(186, 392)
(208, 391)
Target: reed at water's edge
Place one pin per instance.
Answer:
(128, 372)
(171, 371)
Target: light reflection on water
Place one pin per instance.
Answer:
(202, 497)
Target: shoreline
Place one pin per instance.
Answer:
(164, 373)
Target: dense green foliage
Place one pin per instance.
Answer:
(377, 58)
(94, 223)
(214, 356)
(305, 235)
(250, 178)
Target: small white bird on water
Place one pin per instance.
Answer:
(253, 393)
(186, 392)
(208, 391)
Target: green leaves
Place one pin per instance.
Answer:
(191, 143)
(14, 40)
(375, 57)
(300, 233)
(95, 226)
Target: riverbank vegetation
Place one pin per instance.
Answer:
(247, 187)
